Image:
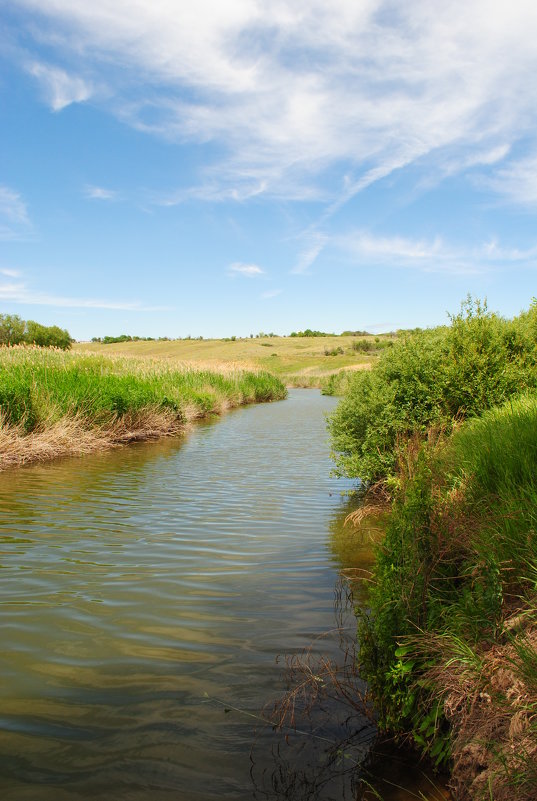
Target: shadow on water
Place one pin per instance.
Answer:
(145, 591)
(326, 745)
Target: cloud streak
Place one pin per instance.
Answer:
(431, 255)
(246, 270)
(299, 94)
(100, 193)
(14, 220)
(60, 88)
(19, 292)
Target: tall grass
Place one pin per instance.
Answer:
(450, 644)
(39, 388)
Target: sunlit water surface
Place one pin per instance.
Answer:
(145, 595)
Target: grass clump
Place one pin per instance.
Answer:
(449, 646)
(124, 398)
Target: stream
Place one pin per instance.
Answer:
(148, 599)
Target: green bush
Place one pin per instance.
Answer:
(459, 549)
(431, 378)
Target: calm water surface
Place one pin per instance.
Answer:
(142, 587)
(144, 597)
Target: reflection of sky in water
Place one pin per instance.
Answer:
(147, 590)
(139, 582)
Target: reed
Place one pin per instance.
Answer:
(55, 402)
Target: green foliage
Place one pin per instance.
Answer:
(38, 386)
(309, 333)
(363, 345)
(11, 329)
(108, 340)
(14, 331)
(459, 546)
(430, 378)
(47, 336)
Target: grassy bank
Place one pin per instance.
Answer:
(297, 361)
(448, 641)
(55, 403)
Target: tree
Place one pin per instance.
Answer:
(11, 329)
(47, 336)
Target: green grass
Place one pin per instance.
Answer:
(40, 386)
(297, 361)
(459, 561)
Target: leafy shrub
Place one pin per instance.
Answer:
(458, 553)
(363, 345)
(430, 378)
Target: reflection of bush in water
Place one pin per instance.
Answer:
(323, 722)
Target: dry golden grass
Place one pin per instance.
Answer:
(299, 361)
(71, 436)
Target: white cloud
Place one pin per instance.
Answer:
(248, 270)
(431, 256)
(20, 293)
(14, 220)
(100, 193)
(310, 253)
(517, 180)
(9, 272)
(272, 293)
(295, 92)
(60, 88)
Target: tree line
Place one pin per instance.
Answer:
(15, 331)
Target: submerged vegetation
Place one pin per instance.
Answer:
(447, 422)
(54, 403)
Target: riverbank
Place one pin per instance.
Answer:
(447, 442)
(56, 403)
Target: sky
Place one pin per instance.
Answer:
(224, 167)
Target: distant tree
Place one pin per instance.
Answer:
(50, 336)
(11, 329)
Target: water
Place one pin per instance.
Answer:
(145, 596)
(147, 591)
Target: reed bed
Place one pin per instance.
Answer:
(55, 403)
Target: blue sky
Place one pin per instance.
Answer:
(224, 167)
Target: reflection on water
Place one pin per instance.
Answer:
(146, 591)
(145, 596)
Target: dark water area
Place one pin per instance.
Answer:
(148, 597)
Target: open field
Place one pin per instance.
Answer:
(54, 403)
(298, 361)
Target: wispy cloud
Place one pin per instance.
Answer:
(248, 270)
(14, 220)
(271, 293)
(517, 180)
(100, 193)
(20, 292)
(297, 94)
(9, 272)
(60, 88)
(431, 255)
(310, 253)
